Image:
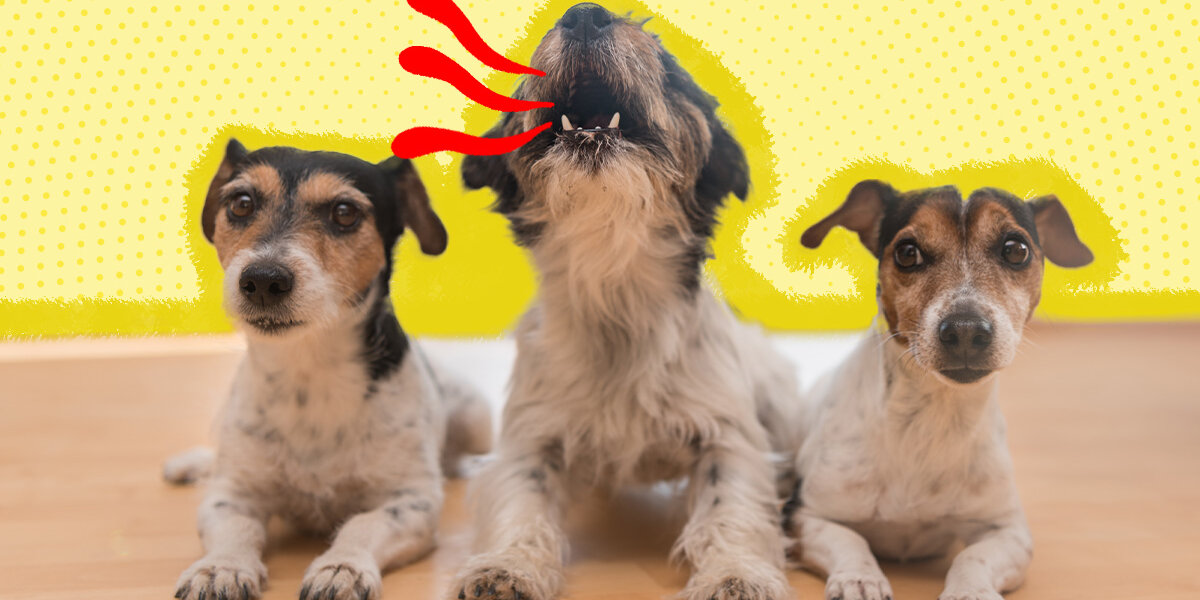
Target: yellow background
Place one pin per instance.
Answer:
(112, 120)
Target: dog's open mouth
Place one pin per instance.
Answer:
(965, 375)
(592, 111)
(273, 325)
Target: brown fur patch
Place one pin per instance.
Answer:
(988, 223)
(263, 183)
(354, 259)
(935, 228)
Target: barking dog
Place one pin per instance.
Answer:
(905, 452)
(628, 369)
(336, 421)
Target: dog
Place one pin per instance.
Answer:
(336, 421)
(904, 452)
(628, 369)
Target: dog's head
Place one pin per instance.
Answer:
(626, 115)
(957, 281)
(306, 237)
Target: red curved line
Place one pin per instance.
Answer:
(448, 14)
(427, 62)
(419, 141)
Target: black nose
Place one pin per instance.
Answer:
(586, 21)
(265, 284)
(965, 335)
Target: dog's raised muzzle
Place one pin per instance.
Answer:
(585, 22)
(266, 284)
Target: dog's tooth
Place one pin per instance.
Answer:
(616, 120)
(567, 124)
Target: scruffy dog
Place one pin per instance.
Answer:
(904, 452)
(628, 369)
(336, 421)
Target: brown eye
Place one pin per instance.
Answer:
(346, 215)
(908, 256)
(242, 206)
(1016, 253)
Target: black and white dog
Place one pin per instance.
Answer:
(628, 369)
(336, 421)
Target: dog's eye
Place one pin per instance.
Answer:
(346, 215)
(242, 206)
(908, 256)
(1016, 252)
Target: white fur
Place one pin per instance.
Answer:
(306, 436)
(899, 463)
(622, 377)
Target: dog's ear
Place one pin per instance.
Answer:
(415, 210)
(862, 213)
(1056, 233)
(493, 172)
(235, 153)
(725, 171)
(488, 171)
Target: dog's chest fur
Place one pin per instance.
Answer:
(622, 364)
(308, 431)
(901, 459)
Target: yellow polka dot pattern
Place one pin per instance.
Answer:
(105, 109)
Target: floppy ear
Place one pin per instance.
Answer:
(492, 172)
(1056, 233)
(487, 171)
(415, 209)
(235, 153)
(862, 213)
(725, 171)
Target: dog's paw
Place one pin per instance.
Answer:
(737, 587)
(231, 578)
(857, 586)
(342, 578)
(188, 467)
(493, 583)
(971, 594)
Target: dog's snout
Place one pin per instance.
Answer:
(965, 335)
(266, 284)
(586, 21)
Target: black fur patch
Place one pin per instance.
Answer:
(793, 504)
(384, 342)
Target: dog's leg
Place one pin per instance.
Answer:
(733, 539)
(519, 537)
(396, 533)
(233, 531)
(993, 562)
(844, 556)
(468, 424)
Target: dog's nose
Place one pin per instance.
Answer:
(266, 284)
(586, 21)
(965, 335)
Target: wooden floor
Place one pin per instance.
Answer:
(1104, 423)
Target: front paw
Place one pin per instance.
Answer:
(971, 594)
(342, 578)
(858, 586)
(228, 578)
(502, 580)
(738, 586)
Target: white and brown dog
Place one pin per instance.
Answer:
(336, 422)
(904, 452)
(628, 369)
